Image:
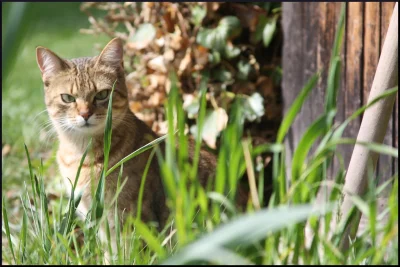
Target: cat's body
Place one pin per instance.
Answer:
(123, 143)
(76, 96)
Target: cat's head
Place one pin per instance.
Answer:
(77, 90)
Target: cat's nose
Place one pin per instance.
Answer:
(85, 114)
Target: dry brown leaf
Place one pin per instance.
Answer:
(169, 55)
(247, 14)
(147, 117)
(222, 119)
(155, 99)
(175, 39)
(243, 87)
(135, 106)
(185, 62)
(158, 64)
(201, 56)
(170, 18)
(163, 127)
(160, 41)
(265, 85)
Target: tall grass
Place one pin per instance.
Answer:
(205, 226)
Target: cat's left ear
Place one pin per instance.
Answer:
(49, 63)
(112, 54)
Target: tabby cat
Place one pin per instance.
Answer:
(76, 95)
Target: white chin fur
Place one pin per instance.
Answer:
(79, 127)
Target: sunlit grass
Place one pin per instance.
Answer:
(206, 226)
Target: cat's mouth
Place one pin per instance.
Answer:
(89, 129)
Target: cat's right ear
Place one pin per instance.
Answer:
(49, 63)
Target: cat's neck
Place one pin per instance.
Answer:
(78, 143)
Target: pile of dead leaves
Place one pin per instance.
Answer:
(237, 44)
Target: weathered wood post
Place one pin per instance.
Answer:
(374, 124)
(309, 31)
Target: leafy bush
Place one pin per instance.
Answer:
(237, 44)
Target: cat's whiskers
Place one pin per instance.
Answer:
(41, 112)
(47, 127)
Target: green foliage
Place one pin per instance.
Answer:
(216, 39)
(206, 227)
(238, 237)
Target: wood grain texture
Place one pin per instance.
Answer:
(354, 72)
(340, 105)
(299, 60)
(371, 45)
(309, 30)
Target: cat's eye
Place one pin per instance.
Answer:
(102, 95)
(67, 98)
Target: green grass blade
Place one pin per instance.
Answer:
(375, 147)
(200, 124)
(307, 140)
(295, 108)
(222, 200)
(152, 242)
(244, 230)
(137, 152)
(142, 183)
(108, 129)
(334, 66)
(7, 228)
(333, 85)
(22, 237)
(16, 29)
(339, 131)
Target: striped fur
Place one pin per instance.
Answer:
(83, 78)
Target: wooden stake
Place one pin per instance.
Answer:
(373, 126)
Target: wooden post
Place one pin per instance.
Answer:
(374, 124)
(309, 30)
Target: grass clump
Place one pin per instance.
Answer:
(205, 226)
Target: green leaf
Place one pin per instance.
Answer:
(17, 28)
(231, 25)
(244, 69)
(272, 148)
(333, 84)
(375, 147)
(151, 241)
(339, 131)
(222, 200)
(269, 30)
(222, 75)
(216, 39)
(307, 140)
(231, 51)
(214, 57)
(198, 14)
(295, 108)
(137, 152)
(258, 33)
(7, 228)
(335, 63)
(22, 238)
(245, 230)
